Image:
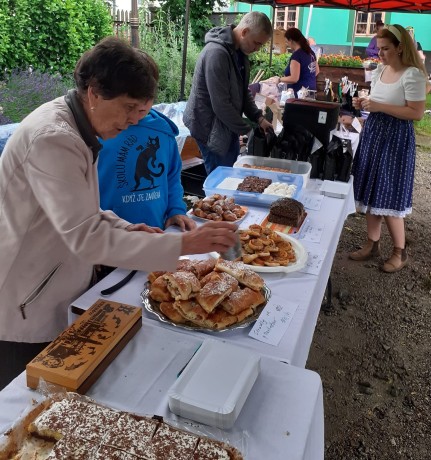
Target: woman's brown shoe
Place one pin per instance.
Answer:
(397, 261)
(371, 249)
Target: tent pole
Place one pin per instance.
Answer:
(272, 36)
(310, 13)
(354, 32)
(186, 34)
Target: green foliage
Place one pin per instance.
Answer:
(164, 42)
(424, 126)
(260, 61)
(50, 35)
(23, 91)
(200, 10)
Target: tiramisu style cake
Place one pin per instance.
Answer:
(80, 429)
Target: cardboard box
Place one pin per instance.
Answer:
(279, 44)
(80, 354)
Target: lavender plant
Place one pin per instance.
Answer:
(22, 91)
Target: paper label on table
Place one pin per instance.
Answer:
(314, 185)
(315, 260)
(274, 320)
(313, 202)
(311, 231)
(253, 216)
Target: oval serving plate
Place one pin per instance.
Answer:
(300, 252)
(202, 219)
(153, 307)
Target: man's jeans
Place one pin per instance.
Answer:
(212, 160)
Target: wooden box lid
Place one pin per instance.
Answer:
(79, 355)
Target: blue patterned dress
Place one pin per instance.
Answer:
(383, 167)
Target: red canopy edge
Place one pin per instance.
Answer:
(418, 6)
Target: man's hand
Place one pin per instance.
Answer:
(213, 236)
(182, 221)
(266, 125)
(143, 228)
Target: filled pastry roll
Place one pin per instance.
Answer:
(182, 285)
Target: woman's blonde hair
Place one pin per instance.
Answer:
(409, 54)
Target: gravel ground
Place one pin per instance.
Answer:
(372, 348)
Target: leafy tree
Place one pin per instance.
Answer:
(200, 10)
(50, 35)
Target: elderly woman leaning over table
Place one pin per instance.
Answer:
(52, 229)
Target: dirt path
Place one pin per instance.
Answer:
(372, 349)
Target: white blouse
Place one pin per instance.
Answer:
(411, 86)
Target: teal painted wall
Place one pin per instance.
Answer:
(331, 26)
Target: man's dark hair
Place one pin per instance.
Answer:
(114, 68)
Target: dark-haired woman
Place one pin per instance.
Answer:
(302, 69)
(384, 165)
(52, 230)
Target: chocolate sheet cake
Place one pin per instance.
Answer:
(286, 211)
(75, 429)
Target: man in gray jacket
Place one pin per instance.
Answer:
(220, 94)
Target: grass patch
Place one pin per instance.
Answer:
(423, 127)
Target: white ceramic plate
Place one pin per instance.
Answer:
(300, 252)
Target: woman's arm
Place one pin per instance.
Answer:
(295, 70)
(413, 110)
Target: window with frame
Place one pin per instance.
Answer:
(286, 17)
(366, 22)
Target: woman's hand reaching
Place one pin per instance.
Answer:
(209, 237)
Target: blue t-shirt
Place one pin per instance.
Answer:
(307, 73)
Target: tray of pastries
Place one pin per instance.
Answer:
(267, 251)
(218, 207)
(75, 427)
(207, 295)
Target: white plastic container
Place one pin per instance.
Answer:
(215, 384)
(303, 168)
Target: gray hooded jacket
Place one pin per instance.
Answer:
(219, 95)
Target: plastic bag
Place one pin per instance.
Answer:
(294, 143)
(338, 160)
(261, 143)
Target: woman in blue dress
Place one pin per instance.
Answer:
(302, 69)
(383, 167)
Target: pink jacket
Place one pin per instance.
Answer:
(52, 231)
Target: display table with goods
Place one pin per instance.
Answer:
(216, 352)
(303, 289)
(282, 417)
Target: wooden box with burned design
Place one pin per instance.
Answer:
(80, 354)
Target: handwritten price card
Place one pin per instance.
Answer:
(314, 261)
(313, 202)
(273, 321)
(311, 231)
(253, 216)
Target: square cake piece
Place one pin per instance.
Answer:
(171, 444)
(208, 450)
(131, 434)
(111, 453)
(59, 419)
(71, 448)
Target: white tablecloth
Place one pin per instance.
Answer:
(305, 289)
(281, 419)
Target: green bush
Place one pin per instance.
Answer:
(260, 61)
(164, 42)
(22, 91)
(50, 35)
